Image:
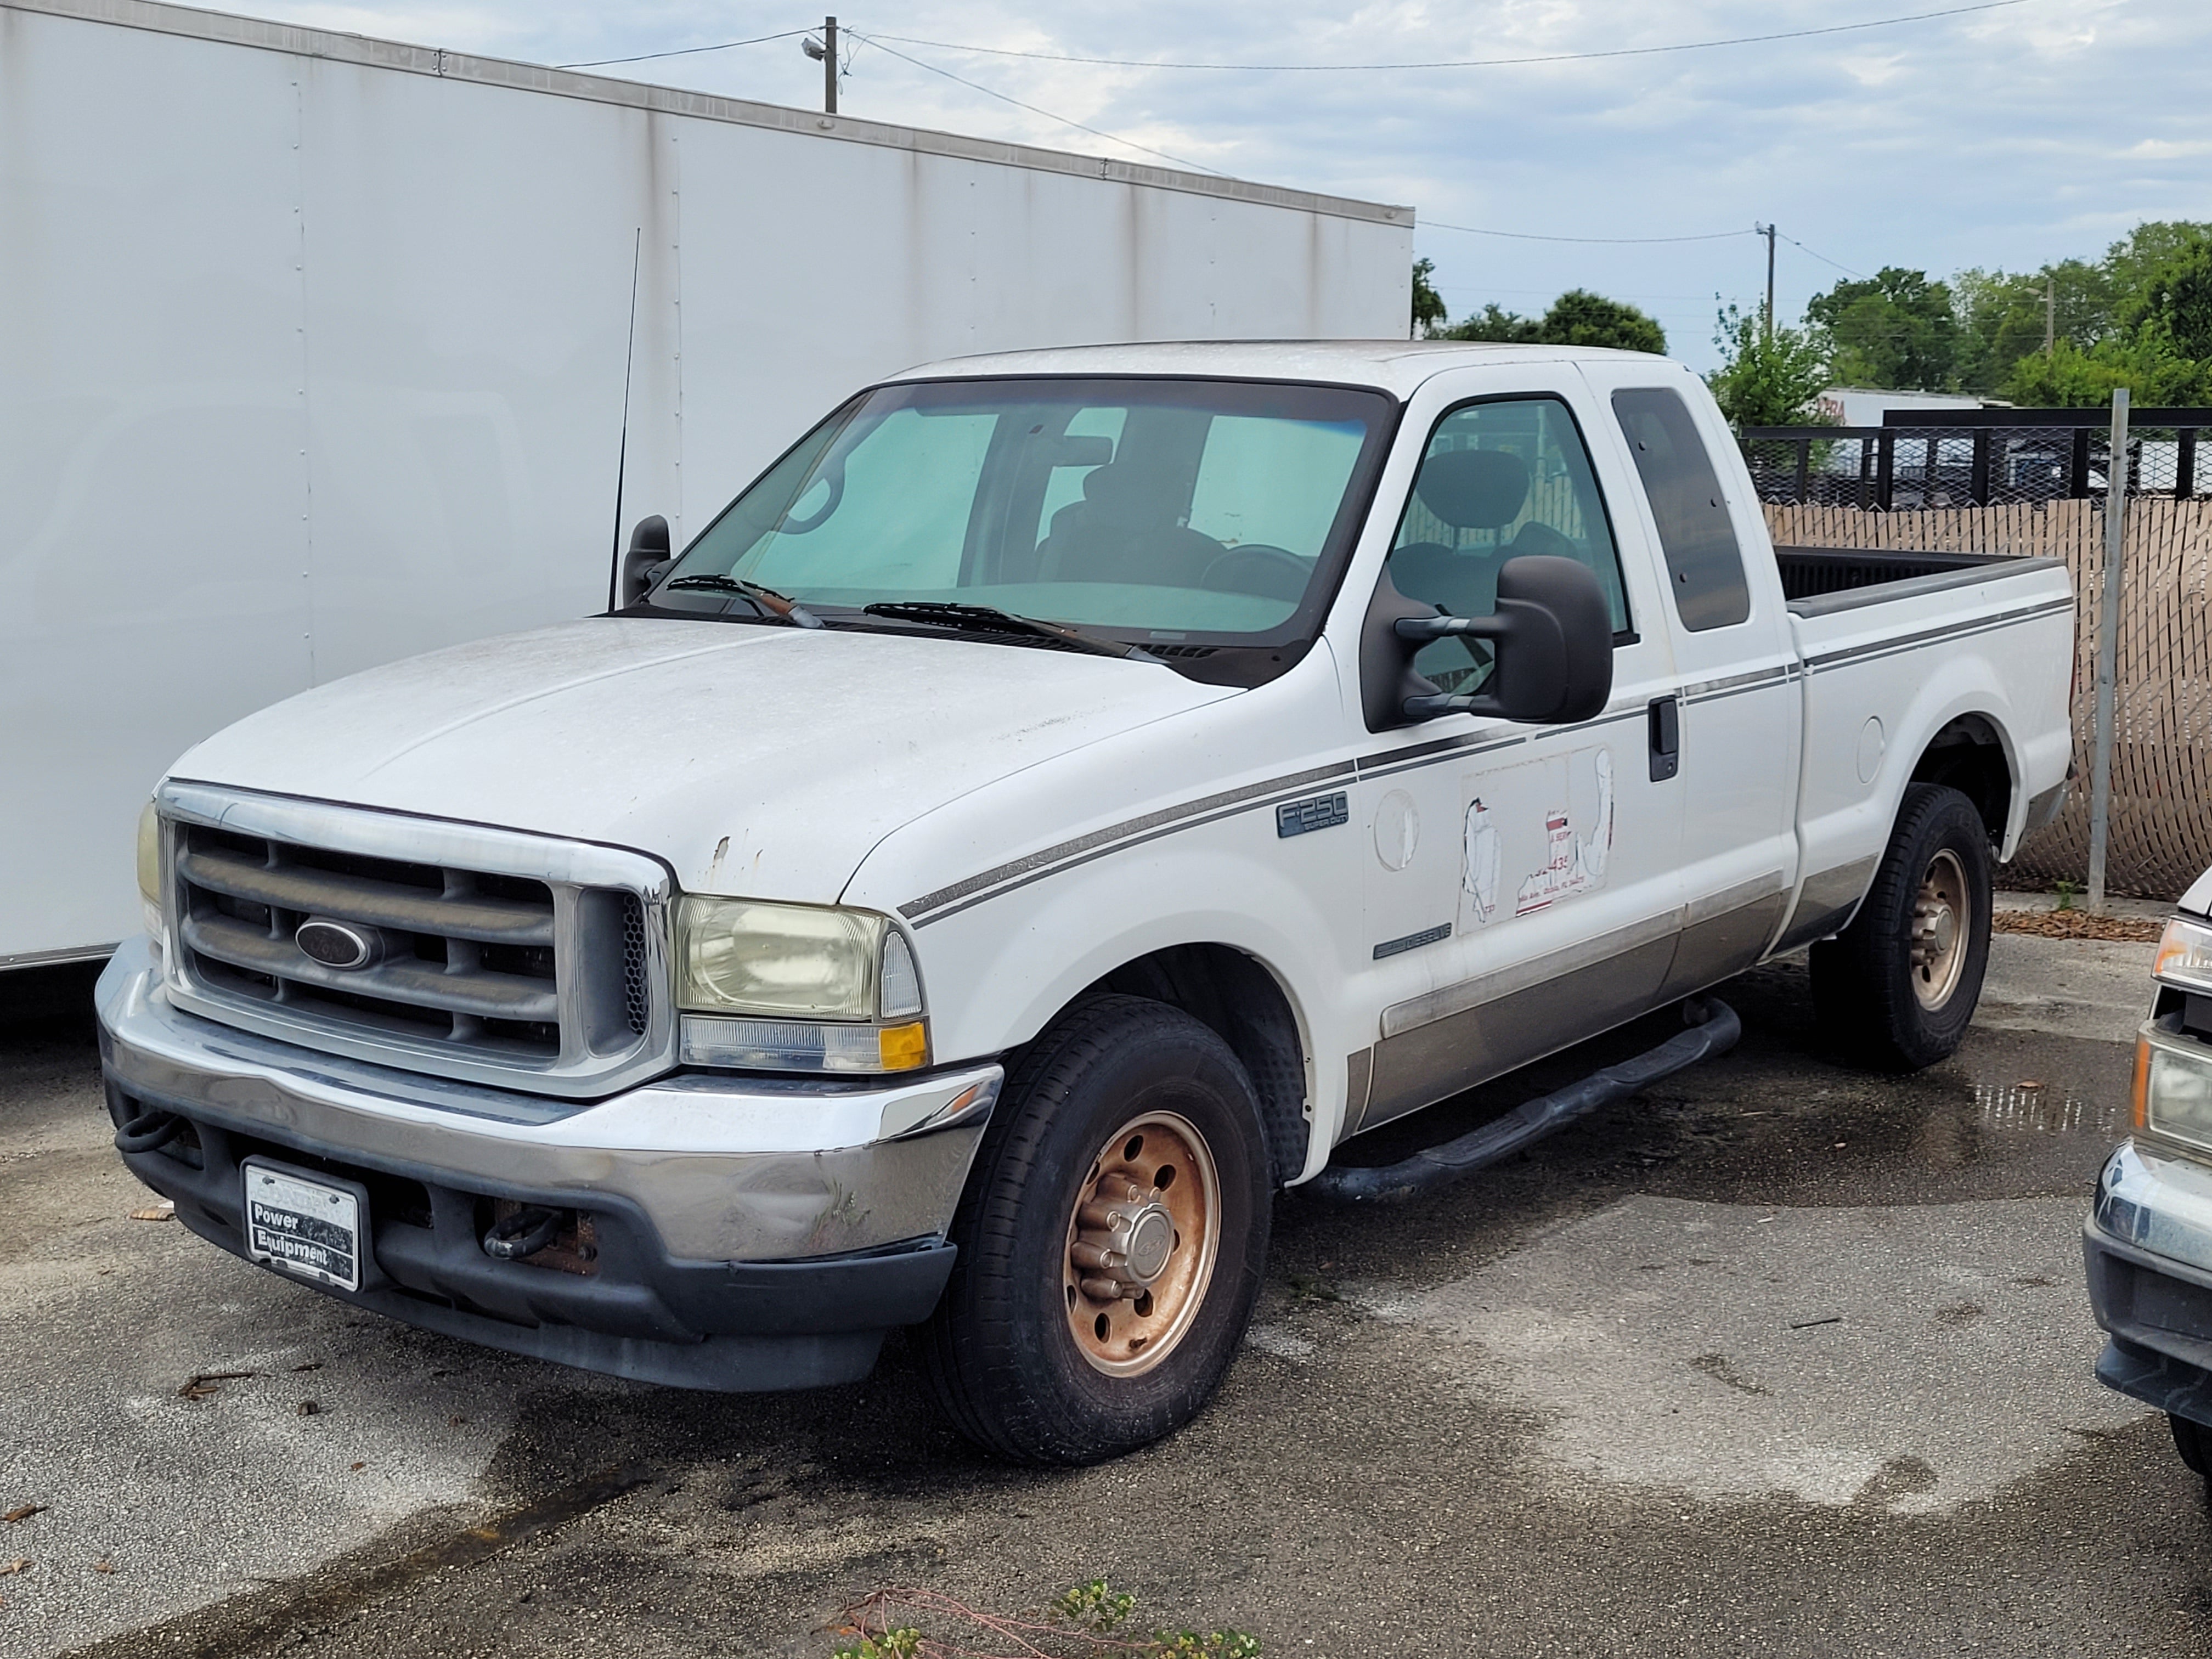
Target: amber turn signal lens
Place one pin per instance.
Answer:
(2140, 1096)
(903, 1047)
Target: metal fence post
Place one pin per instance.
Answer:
(2108, 649)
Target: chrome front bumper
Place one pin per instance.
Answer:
(2147, 1250)
(756, 1231)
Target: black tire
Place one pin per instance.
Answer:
(2194, 1441)
(1865, 980)
(1000, 1351)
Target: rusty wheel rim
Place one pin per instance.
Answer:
(1941, 915)
(1143, 1235)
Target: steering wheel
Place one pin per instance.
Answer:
(795, 526)
(1265, 572)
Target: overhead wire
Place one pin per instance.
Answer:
(1532, 236)
(1465, 62)
(1822, 258)
(683, 51)
(877, 41)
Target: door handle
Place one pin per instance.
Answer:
(1664, 718)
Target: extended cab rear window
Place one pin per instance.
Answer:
(1704, 565)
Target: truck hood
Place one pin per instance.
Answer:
(756, 760)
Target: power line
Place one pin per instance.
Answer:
(1465, 62)
(683, 51)
(1822, 258)
(976, 86)
(1530, 236)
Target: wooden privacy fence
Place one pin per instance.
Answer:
(2161, 828)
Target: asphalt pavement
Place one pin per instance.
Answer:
(1780, 1358)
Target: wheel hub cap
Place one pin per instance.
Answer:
(1125, 1236)
(1938, 948)
(1142, 1236)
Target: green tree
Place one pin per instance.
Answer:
(1577, 318)
(1580, 318)
(1429, 311)
(2174, 303)
(2146, 363)
(1896, 331)
(1765, 381)
(1494, 322)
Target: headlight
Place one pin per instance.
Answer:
(2173, 1088)
(796, 987)
(150, 870)
(2185, 955)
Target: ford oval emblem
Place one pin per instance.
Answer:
(343, 945)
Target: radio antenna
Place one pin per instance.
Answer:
(622, 453)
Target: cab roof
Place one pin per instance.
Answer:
(1397, 367)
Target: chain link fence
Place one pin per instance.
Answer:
(2161, 814)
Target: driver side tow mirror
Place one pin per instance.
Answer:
(1552, 635)
(641, 566)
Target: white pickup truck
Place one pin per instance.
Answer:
(1055, 807)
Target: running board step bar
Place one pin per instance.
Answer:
(1714, 1028)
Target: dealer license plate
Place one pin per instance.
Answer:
(302, 1225)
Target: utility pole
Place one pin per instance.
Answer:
(826, 50)
(1767, 231)
(2050, 313)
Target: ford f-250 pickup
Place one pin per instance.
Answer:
(1060, 801)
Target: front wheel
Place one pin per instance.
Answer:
(1112, 1237)
(1898, 986)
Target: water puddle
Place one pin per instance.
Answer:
(2033, 1108)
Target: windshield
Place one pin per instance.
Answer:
(1150, 509)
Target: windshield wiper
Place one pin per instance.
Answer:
(766, 600)
(989, 619)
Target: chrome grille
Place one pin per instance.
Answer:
(465, 957)
(479, 953)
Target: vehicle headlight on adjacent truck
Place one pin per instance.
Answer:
(796, 987)
(2173, 1074)
(2174, 1090)
(149, 873)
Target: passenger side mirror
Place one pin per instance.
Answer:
(1552, 635)
(647, 557)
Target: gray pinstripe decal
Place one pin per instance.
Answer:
(1023, 870)
(1955, 631)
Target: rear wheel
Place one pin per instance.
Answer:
(1112, 1239)
(1899, 986)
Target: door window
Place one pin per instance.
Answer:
(1498, 480)
(1704, 563)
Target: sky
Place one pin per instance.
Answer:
(2002, 137)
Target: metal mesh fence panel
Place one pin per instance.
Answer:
(2161, 826)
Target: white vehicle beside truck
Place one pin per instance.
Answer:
(1056, 806)
(2147, 1243)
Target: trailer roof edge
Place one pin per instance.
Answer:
(229, 29)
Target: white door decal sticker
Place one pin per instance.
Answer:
(1550, 822)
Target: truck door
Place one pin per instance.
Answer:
(1521, 892)
(1738, 725)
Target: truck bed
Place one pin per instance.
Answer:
(1819, 579)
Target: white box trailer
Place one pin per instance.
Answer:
(313, 348)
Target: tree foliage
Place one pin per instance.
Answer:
(1897, 330)
(1765, 381)
(1577, 317)
(1429, 313)
(2140, 317)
